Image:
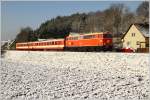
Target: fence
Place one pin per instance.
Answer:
(143, 50)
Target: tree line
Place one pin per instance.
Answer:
(116, 19)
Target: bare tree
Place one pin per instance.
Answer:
(143, 11)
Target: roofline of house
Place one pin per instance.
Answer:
(126, 31)
(129, 29)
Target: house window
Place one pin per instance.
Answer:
(133, 34)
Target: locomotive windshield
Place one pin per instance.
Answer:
(107, 36)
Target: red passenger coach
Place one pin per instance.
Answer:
(88, 42)
(52, 44)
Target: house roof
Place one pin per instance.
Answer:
(143, 28)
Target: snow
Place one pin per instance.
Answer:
(38, 75)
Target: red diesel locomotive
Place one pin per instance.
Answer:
(84, 42)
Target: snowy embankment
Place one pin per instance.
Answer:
(74, 75)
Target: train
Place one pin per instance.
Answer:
(83, 42)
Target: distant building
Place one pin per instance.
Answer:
(137, 36)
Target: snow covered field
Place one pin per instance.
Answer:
(38, 75)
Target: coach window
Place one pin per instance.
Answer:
(58, 42)
(92, 36)
(99, 35)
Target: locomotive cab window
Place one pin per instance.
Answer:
(107, 36)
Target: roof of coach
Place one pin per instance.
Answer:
(48, 40)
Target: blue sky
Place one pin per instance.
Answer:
(18, 14)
